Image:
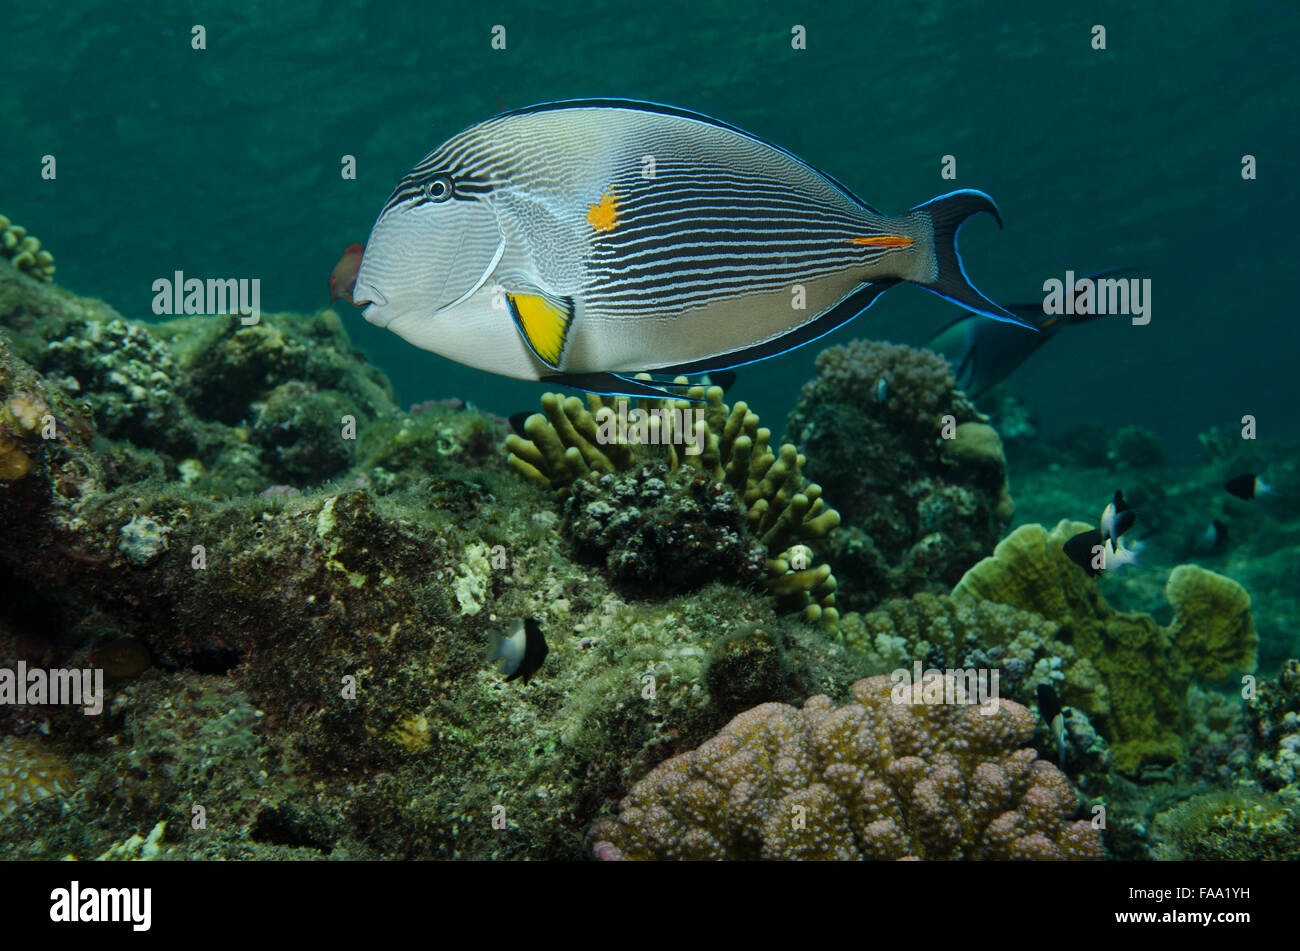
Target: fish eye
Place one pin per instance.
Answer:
(438, 189)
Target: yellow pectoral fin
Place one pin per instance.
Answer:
(544, 322)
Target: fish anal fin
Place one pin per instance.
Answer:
(544, 321)
(611, 384)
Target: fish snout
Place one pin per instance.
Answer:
(375, 304)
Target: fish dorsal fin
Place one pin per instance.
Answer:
(544, 321)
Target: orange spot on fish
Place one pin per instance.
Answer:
(344, 276)
(603, 216)
(885, 241)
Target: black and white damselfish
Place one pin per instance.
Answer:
(581, 242)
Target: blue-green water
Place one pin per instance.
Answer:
(225, 162)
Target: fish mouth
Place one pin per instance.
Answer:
(374, 302)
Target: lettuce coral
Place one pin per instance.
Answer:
(1146, 668)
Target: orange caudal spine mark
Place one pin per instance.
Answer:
(603, 215)
(885, 241)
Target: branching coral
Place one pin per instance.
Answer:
(569, 441)
(1146, 668)
(919, 475)
(878, 778)
(24, 251)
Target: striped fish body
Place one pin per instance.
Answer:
(578, 241)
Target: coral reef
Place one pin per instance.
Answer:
(307, 661)
(918, 508)
(878, 778)
(24, 251)
(1129, 673)
(568, 443)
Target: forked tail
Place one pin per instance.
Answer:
(948, 279)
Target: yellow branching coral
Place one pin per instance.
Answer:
(1144, 667)
(24, 251)
(569, 440)
(883, 777)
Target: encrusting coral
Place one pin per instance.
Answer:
(918, 474)
(569, 441)
(1273, 716)
(1125, 670)
(945, 633)
(879, 778)
(29, 774)
(1237, 825)
(24, 251)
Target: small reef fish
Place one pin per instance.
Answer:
(1116, 519)
(577, 242)
(1248, 486)
(1215, 537)
(983, 352)
(522, 653)
(1050, 709)
(344, 276)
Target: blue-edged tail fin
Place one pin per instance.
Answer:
(947, 213)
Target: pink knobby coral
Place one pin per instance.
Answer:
(874, 779)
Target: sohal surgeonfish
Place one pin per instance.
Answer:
(983, 353)
(578, 241)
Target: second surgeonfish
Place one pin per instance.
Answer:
(577, 242)
(983, 353)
